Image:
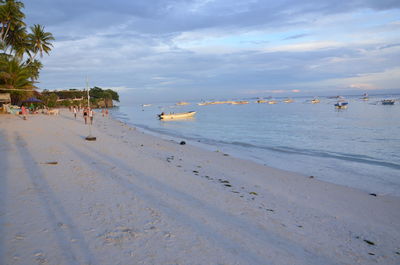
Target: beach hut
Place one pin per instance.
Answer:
(5, 99)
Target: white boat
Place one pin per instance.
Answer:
(341, 104)
(182, 103)
(176, 116)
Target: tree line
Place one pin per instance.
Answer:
(64, 98)
(20, 51)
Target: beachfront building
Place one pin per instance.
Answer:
(5, 98)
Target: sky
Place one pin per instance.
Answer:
(160, 50)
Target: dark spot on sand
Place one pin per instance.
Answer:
(178, 166)
(373, 194)
(226, 155)
(253, 193)
(228, 185)
(141, 145)
(234, 191)
(311, 177)
(398, 253)
(369, 242)
(370, 253)
(182, 143)
(300, 226)
(195, 171)
(223, 181)
(51, 163)
(270, 210)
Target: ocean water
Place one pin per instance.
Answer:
(357, 147)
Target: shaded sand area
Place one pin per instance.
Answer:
(131, 198)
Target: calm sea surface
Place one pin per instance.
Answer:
(357, 147)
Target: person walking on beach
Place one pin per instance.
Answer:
(91, 116)
(23, 112)
(75, 112)
(85, 115)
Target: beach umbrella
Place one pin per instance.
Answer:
(32, 100)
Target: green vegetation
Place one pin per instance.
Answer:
(99, 97)
(19, 51)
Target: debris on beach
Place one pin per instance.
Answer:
(253, 193)
(369, 242)
(182, 143)
(51, 163)
(373, 194)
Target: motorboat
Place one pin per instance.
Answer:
(388, 102)
(176, 116)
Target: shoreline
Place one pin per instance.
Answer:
(133, 197)
(370, 183)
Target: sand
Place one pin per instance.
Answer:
(133, 198)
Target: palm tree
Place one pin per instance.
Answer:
(40, 40)
(16, 77)
(11, 16)
(17, 41)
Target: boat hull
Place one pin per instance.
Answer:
(177, 116)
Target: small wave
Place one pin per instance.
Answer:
(316, 153)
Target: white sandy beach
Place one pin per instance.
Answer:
(132, 198)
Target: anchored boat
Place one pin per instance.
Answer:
(388, 102)
(176, 116)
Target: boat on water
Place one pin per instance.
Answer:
(315, 101)
(365, 97)
(388, 102)
(261, 101)
(272, 102)
(341, 104)
(182, 103)
(176, 116)
(239, 102)
(288, 100)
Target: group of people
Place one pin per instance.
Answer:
(87, 113)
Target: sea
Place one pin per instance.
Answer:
(357, 147)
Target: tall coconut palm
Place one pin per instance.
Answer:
(17, 41)
(10, 17)
(40, 40)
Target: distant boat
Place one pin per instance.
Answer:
(261, 101)
(182, 103)
(315, 101)
(288, 100)
(176, 116)
(341, 104)
(272, 102)
(365, 97)
(388, 102)
(239, 102)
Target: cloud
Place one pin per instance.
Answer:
(204, 48)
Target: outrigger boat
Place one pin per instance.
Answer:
(388, 102)
(341, 104)
(239, 102)
(176, 116)
(288, 100)
(182, 103)
(365, 97)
